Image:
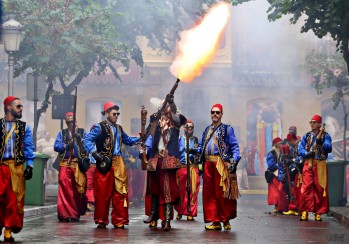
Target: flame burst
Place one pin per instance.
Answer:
(198, 45)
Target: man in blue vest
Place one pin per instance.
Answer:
(104, 142)
(16, 148)
(220, 153)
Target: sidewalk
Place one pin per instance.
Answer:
(341, 214)
(50, 204)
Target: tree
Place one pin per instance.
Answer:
(66, 40)
(323, 17)
(330, 72)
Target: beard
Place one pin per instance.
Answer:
(16, 115)
(189, 134)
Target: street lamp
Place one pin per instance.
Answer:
(11, 39)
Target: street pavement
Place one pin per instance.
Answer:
(254, 224)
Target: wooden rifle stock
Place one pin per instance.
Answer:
(71, 151)
(188, 173)
(314, 147)
(144, 161)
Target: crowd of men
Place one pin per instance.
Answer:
(93, 175)
(297, 172)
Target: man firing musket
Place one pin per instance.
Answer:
(162, 147)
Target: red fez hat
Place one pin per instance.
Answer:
(8, 100)
(109, 105)
(276, 140)
(316, 118)
(291, 137)
(69, 114)
(219, 106)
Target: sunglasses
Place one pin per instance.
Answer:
(215, 112)
(70, 122)
(312, 122)
(114, 114)
(190, 127)
(19, 106)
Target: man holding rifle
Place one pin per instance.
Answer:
(162, 146)
(314, 148)
(71, 198)
(220, 153)
(104, 142)
(185, 189)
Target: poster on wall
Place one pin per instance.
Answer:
(263, 124)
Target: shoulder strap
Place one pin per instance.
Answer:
(207, 139)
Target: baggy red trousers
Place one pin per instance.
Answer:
(163, 183)
(216, 207)
(9, 216)
(312, 197)
(181, 208)
(89, 184)
(296, 191)
(273, 191)
(70, 203)
(283, 201)
(104, 192)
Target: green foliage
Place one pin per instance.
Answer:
(323, 17)
(329, 72)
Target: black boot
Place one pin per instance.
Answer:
(167, 225)
(154, 213)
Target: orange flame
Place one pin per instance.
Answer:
(198, 45)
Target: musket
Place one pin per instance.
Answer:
(71, 152)
(288, 178)
(314, 147)
(188, 173)
(144, 161)
(152, 126)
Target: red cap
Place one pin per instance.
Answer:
(69, 114)
(291, 137)
(109, 105)
(316, 118)
(8, 100)
(277, 140)
(219, 106)
(189, 121)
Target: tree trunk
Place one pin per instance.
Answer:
(66, 90)
(345, 118)
(345, 49)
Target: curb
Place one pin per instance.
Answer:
(340, 217)
(42, 210)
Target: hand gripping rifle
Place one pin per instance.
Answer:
(188, 173)
(71, 152)
(314, 147)
(144, 161)
(152, 126)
